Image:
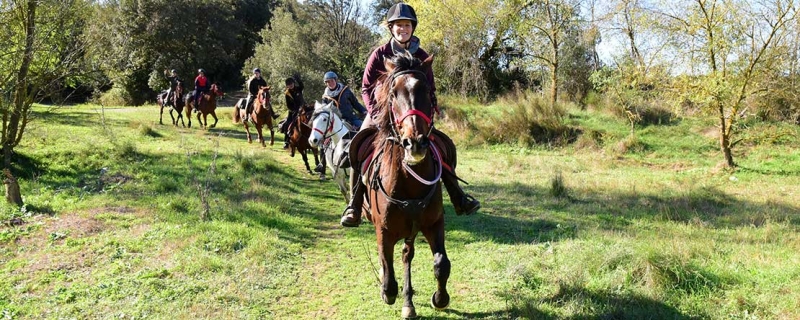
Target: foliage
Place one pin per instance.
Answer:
(312, 38)
(473, 43)
(133, 42)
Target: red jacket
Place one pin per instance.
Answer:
(201, 82)
(375, 68)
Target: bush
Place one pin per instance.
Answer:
(116, 96)
(529, 120)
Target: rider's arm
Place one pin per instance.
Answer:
(354, 102)
(370, 79)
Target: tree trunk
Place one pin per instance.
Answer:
(13, 117)
(725, 137)
(554, 84)
(13, 195)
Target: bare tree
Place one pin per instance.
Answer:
(736, 44)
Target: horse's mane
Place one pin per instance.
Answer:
(327, 107)
(402, 62)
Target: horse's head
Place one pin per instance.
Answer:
(324, 119)
(264, 96)
(406, 106)
(216, 90)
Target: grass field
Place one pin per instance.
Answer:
(114, 226)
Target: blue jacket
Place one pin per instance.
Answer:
(344, 98)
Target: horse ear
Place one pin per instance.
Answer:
(267, 88)
(389, 65)
(428, 63)
(317, 105)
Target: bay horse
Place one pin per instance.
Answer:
(208, 105)
(403, 195)
(298, 132)
(261, 115)
(332, 136)
(175, 103)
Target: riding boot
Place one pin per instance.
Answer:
(286, 141)
(463, 203)
(352, 214)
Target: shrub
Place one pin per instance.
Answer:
(528, 120)
(116, 96)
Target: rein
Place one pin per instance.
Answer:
(411, 111)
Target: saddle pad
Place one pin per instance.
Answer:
(361, 145)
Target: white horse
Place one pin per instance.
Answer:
(332, 136)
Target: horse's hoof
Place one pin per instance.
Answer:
(388, 300)
(409, 313)
(445, 303)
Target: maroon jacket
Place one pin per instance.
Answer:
(375, 68)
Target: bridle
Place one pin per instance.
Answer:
(329, 132)
(408, 113)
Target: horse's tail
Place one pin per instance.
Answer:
(237, 117)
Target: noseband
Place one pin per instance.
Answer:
(328, 126)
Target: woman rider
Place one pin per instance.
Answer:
(401, 21)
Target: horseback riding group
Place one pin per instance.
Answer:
(202, 100)
(393, 159)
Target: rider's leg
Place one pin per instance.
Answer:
(247, 107)
(463, 203)
(352, 214)
(167, 101)
(197, 96)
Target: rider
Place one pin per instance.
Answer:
(401, 21)
(253, 85)
(345, 100)
(200, 87)
(294, 102)
(173, 79)
(341, 95)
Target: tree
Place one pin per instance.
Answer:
(734, 45)
(544, 29)
(133, 41)
(40, 51)
(474, 42)
(311, 38)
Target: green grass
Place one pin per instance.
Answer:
(113, 228)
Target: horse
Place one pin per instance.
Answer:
(208, 105)
(260, 116)
(298, 132)
(332, 136)
(176, 104)
(403, 193)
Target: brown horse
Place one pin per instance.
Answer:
(299, 131)
(208, 105)
(261, 115)
(175, 103)
(404, 196)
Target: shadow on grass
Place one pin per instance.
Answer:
(520, 213)
(590, 305)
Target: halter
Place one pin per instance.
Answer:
(410, 112)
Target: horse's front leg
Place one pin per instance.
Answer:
(174, 121)
(213, 114)
(200, 120)
(386, 254)
(441, 264)
(260, 136)
(161, 117)
(408, 291)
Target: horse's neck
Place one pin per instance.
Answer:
(339, 134)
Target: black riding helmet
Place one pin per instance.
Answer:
(402, 11)
(289, 80)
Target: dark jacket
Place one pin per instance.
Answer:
(294, 97)
(173, 82)
(255, 84)
(375, 68)
(347, 102)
